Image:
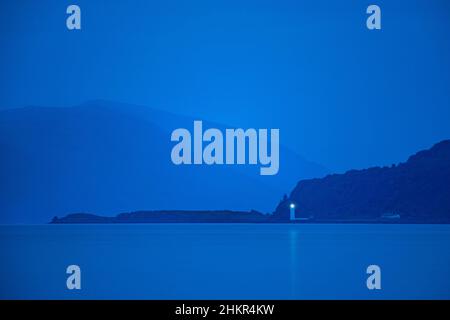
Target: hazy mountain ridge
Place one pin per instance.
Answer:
(108, 158)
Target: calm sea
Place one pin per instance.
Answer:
(225, 261)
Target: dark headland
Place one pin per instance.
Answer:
(416, 191)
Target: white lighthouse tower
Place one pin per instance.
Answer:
(292, 211)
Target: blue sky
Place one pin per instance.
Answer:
(342, 95)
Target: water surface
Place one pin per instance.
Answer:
(225, 261)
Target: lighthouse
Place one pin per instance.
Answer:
(292, 212)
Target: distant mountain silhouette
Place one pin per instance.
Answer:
(107, 158)
(415, 191)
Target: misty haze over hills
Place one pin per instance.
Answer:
(107, 158)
